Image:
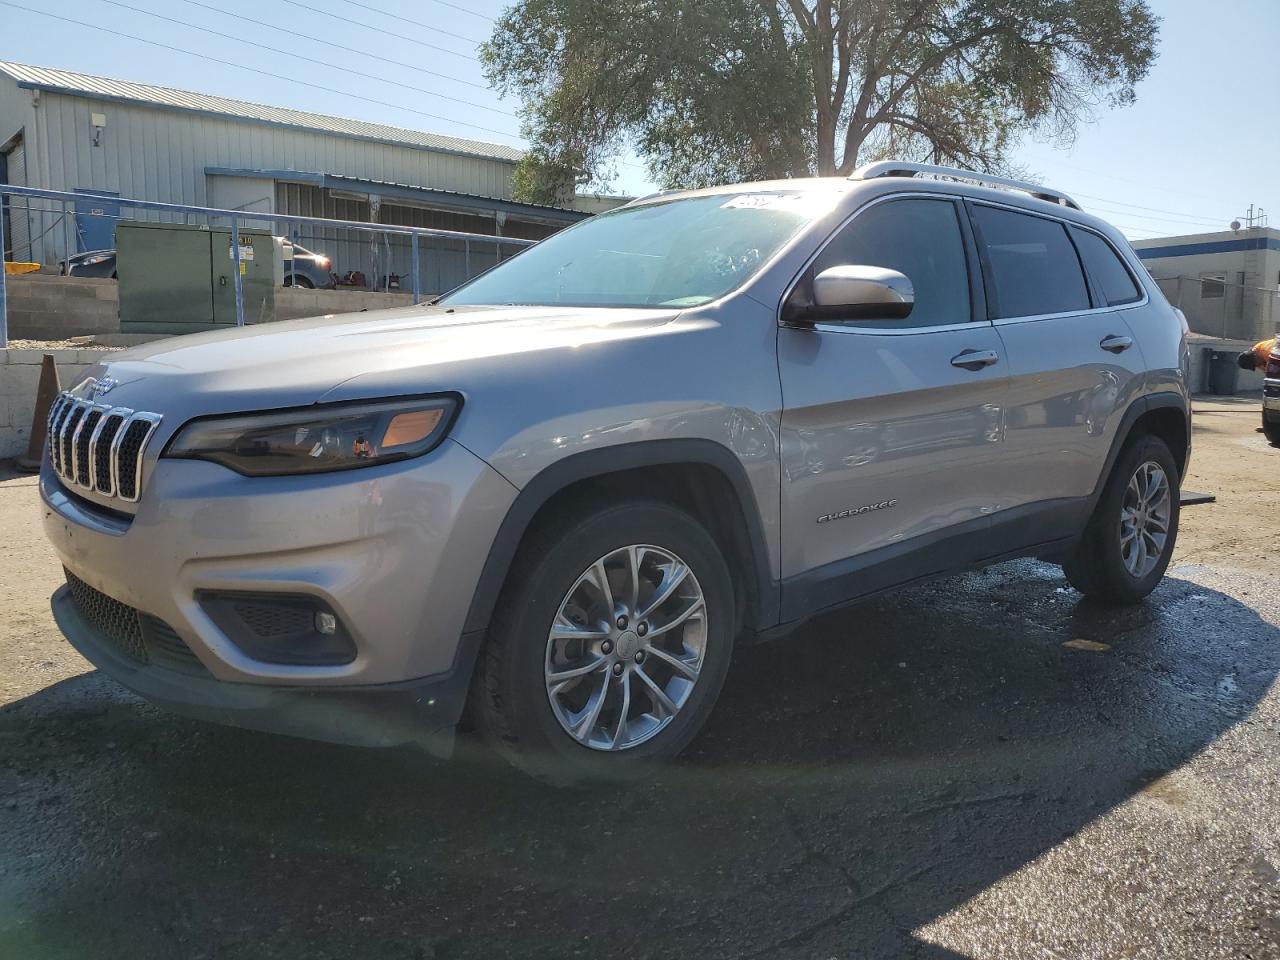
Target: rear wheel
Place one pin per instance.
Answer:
(1271, 427)
(609, 646)
(1126, 547)
(303, 282)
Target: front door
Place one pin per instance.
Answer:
(891, 430)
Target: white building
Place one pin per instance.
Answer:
(1227, 283)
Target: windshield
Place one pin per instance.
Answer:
(675, 253)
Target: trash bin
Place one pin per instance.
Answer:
(1223, 373)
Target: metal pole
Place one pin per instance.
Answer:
(386, 270)
(417, 287)
(70, 232)
(4, 303)
(235, 272)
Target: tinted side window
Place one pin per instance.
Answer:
(1034, 267)
(1106, 268)
(920, 239)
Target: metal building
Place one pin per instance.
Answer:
(73, 132)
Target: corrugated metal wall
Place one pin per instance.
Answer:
(155, 154)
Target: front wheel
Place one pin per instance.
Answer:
(1129, 540)
(610, 644)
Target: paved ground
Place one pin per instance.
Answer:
(935, 775)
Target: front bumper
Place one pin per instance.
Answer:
(1271, 395)
(395, 551)
(420, 711)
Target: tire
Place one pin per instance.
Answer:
(1271, 429)
(303, 282)
(527, 716)
(1098, 568)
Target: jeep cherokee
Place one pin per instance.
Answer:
(557, 495)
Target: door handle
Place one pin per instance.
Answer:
(975, 359)
(1116, 344)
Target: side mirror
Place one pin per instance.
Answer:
(851, 292)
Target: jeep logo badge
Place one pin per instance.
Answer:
(100, 388)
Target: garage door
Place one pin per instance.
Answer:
(17, 238)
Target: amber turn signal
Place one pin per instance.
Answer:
(411, 427)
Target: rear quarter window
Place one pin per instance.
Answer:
(1107, 270)
(1032, 264)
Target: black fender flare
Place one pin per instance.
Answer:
(1141, 406)
(615, 459)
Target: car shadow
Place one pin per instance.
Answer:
(858, 780)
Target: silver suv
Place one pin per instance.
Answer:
(557, 496)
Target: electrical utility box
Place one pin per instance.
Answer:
(179, 278)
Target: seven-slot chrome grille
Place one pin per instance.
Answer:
(99, 447)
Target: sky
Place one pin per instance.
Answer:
(1200, 144)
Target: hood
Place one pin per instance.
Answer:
(298, 362)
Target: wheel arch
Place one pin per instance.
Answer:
(1167, 415)
(701, 476)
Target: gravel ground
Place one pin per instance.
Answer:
(942, 773)
(80, 343)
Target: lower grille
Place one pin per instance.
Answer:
(274, 619)
(116, 621)
(139, 636)
(166, 648)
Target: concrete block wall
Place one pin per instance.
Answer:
(49, 307)
(19, 377)
(291, 303)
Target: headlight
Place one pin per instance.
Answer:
(100, 258)
(318, 439)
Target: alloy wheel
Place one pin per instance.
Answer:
(1144, 519)
(626, 647)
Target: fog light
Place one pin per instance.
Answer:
(280, 627)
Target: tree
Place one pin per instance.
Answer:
(724, 90)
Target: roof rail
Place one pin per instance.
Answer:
(903, 168)
(652, 196)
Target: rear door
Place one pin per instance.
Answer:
(889, 427)
(1073, 363)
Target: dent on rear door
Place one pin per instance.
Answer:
(1067, 398)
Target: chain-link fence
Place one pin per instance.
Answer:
(52, 228)
(1220, 308)
(46, 231)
